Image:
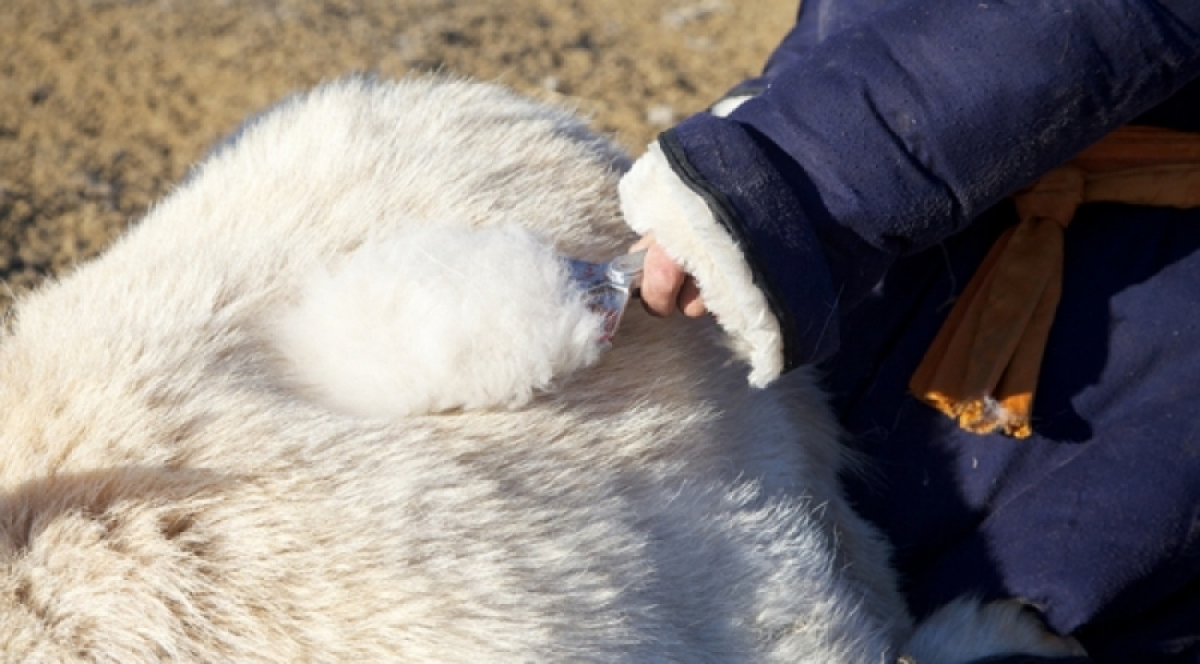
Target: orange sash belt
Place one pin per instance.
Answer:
(982, 367)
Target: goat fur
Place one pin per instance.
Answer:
(333, 400)
(436, 318)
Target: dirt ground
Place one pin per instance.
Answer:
(104, 104)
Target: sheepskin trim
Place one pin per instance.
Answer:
(727, 105)
(968, 630)
(655, 200)
(438, 318)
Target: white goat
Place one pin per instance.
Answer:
(334, 400)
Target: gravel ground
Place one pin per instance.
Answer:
(104, 104)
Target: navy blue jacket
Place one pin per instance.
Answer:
(864, 181)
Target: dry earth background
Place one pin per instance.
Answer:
(104, 104)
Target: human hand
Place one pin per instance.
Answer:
(665, 286)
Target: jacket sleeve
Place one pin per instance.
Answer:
(886, 137)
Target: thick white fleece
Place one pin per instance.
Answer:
(966, 630)
(655, 200)
(437, 318)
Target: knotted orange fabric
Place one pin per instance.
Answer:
(982, 367)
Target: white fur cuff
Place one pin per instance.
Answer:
(727, 105)
(655, 200)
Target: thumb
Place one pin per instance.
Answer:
(665, 286)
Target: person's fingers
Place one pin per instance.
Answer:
(690, 302)
(642, 243)
(661, 280)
